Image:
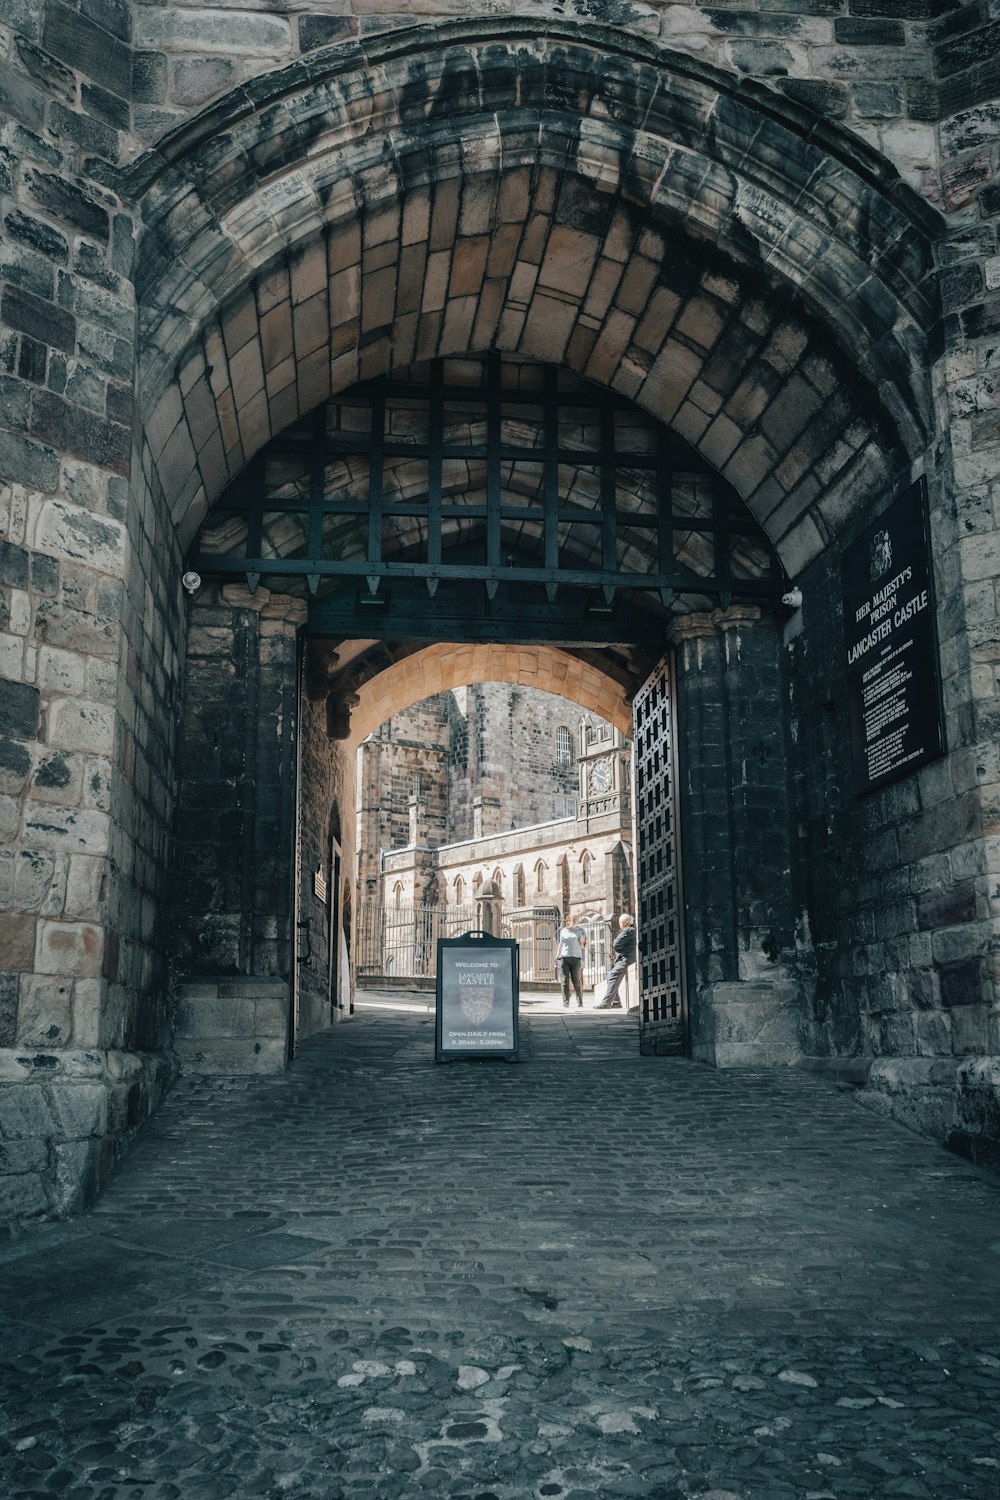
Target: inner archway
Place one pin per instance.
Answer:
(516, 503)
(457, 794)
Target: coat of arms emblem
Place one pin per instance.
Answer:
(476, 1002)
(879, 555)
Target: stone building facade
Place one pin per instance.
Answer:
(772, 226)
(479, 761)
(500, 793)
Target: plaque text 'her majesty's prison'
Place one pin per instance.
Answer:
(893, 675)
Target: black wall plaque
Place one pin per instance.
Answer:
(893, 672)
(477, 997)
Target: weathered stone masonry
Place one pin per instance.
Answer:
(716, 230)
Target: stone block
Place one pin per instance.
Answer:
(78, 1172)
(39, 878)
(236, 1056)
(86, 46)
(863, 32)
(68, 204)
(969, 1030)
(78, 724)
(10, 817)
(17, 942)
(66, 828)
(37, 235)
(209, 1017)
(317, 31)
(229, 32)
(947, 907)
(84, 434)
(75, 533)
(85, 885)
(69, 948)
(22, 1195)
(757, 1024)
(45, 1012)
(983, 320)
(15, 766)
(19, 709)
(114, 16)
(20, 99)
(271, 1016)
(24, 1113)
(59, 778)
(22, 1156)
(85, 132)
(61, 625)
(107, 107)
(9, 988)
(61, 671)
(57, 81)
(149, 77)
(79, 1109)
(961, 983)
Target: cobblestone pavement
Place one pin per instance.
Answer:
(586, 1275)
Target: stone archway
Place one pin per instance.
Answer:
(750, 277)
(436, 669)
(748, 273)
(762, 285)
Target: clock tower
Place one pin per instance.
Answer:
(604, 765)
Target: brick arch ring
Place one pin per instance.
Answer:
(756, 278)
(441, 667)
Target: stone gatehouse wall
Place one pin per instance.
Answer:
(885, 67)
(234, 829)
(92, 622)
(898, 889)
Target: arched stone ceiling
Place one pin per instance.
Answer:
(745, 272)
(439, 668)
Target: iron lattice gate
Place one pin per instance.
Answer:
(663, 1004)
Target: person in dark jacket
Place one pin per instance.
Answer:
(625, 949)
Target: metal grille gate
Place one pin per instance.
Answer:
(663, 1006)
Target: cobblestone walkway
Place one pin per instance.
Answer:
(588, 1275)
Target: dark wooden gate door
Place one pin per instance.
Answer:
(663, 1000)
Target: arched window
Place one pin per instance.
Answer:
(459, 890)
(540, 869)
(586, 860)
(397, 894)
(519, 886)
(564, 746)
(498, 880)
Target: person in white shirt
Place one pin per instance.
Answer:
(569, 962)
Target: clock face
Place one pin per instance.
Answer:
(600, 776)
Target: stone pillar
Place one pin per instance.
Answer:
(489, 910)
(483, 816)
(234, 832)
(733, 802)
(703, 802)
(758, 788)
(417, 810)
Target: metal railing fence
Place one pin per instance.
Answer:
(400, 942)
